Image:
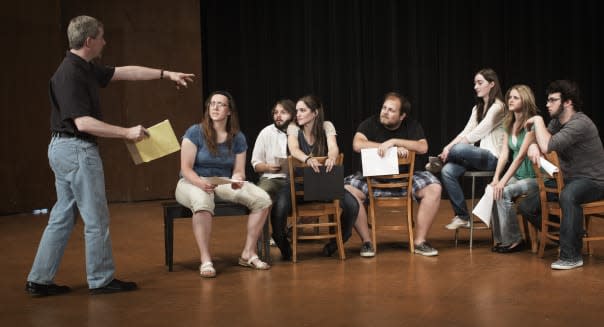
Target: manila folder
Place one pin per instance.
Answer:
(161, 142)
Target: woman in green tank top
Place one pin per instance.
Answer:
(519, 179)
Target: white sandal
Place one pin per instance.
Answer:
(254, 262)
(207, 270)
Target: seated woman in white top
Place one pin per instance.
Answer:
(461, 154)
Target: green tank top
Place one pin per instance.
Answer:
(525, 170)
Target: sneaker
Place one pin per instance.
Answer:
(367, 250)
(425, 249)
(457, 222)
(567, 264)
(434, 165)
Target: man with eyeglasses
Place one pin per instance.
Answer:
(76, 122)
(575, 138)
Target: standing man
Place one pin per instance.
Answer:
(576, 140)
(393, 128)
(269, 150)
(73, 154)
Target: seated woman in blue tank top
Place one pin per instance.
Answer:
(217, 148)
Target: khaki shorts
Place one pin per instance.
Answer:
(196, 199)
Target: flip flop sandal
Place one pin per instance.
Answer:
(207, 270)
(254, 262)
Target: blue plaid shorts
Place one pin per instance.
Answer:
(421, 179)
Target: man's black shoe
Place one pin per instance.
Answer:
(284, 247)
(329, 249)
(506, 249)
(114, 286)
(45, 290)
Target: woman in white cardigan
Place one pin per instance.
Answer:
(484, 126)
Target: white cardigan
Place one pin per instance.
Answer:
(490, 130)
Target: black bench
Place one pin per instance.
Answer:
(173, 210)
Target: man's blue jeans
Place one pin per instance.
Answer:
(576, 191)
(464, 157)
(80, 183)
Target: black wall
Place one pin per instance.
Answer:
(351, 52)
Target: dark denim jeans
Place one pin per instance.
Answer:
(576, 191)
(464, 157)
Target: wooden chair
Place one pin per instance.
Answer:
(591, 209)
(401, 181)
(549, 207)
(328, 212)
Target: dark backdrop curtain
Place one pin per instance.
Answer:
(351, 52)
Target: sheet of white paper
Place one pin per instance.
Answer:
(221, 180)
(484, 208)
(548, 166)
(374, 165)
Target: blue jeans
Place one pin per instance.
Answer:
(464, 157)
(505, 223)
(576, 191)
(80, 184)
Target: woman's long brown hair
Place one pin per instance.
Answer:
(232, 126)
(495, 93)
(529, 108)
(318, 132)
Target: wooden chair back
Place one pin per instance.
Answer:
(403, 181)
(552, 207)
(328, 224)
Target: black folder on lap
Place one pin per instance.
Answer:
(323, 186)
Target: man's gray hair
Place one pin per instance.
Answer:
(80, 28)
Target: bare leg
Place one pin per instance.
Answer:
(255, 223)
(426, 212)
(202, 228)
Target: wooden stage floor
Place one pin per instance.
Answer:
(460, 287)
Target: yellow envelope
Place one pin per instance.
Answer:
(161, 142)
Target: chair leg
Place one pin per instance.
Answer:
(534, 237)
(472, 209)
(263, 244)
(587, 225)
(165, 239)
(339, 239)
(543, 240)
(294, 239)
(410, 228)
(169, 241)
(373, 228)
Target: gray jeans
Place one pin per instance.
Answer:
(505, 223)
